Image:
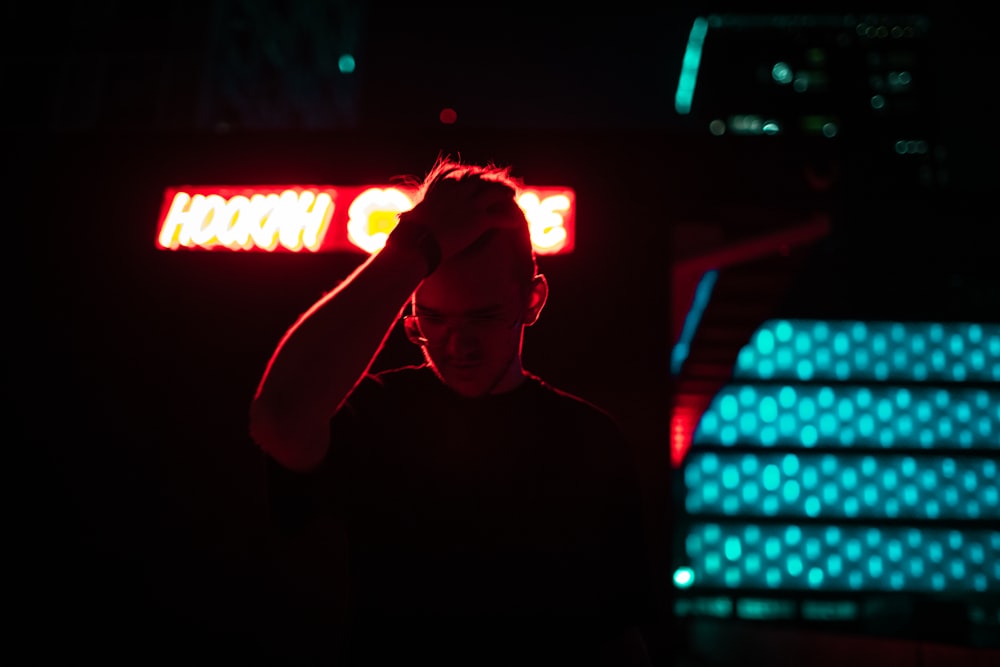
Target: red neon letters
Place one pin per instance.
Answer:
(326, 218)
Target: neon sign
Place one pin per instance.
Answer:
(295, 218)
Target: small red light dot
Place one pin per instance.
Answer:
(448, 116)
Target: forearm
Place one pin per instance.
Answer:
(325, 353)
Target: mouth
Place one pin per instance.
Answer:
(465, 365)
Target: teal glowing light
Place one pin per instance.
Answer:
(860, 558)
(837, 445)
(683, 577)
(880, 416)
(848, 485)
(689, 66)
(802, 350)
(346, 63)
(702, 295)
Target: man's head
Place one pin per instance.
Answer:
(471, 312)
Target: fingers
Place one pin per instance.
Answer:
(505, 213)
(490, 195)
(468, 198)
(460, 211)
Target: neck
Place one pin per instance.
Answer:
(513, 378)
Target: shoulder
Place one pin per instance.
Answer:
(384, 383)
(591, 435)
(404, 377)
(575, 407)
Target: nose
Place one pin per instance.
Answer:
(460, 340)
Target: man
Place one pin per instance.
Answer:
(491, 518)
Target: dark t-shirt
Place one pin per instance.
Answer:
(496, 525)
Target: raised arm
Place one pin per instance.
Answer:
(331, 346)
(325, 353)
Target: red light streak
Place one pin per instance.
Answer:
(682, 425)
(685, 415)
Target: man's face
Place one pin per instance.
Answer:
(470, 311)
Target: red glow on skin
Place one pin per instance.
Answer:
(476, 361)
(326, 218)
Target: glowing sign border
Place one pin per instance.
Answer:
(325, 218)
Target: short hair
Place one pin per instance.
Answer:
(519, 238)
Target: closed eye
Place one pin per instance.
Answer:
(489, 313)
(494, 317)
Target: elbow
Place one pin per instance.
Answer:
(261, 425)
(281, 436)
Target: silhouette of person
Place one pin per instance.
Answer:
(491, 518)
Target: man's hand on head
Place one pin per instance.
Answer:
(458, 212)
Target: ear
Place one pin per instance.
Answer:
(536, 299)
(413, 332)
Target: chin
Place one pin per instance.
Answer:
(469, 382)
(466, 392)
(468, 388)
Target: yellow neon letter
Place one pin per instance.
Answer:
(372, 215)
(548, 232)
